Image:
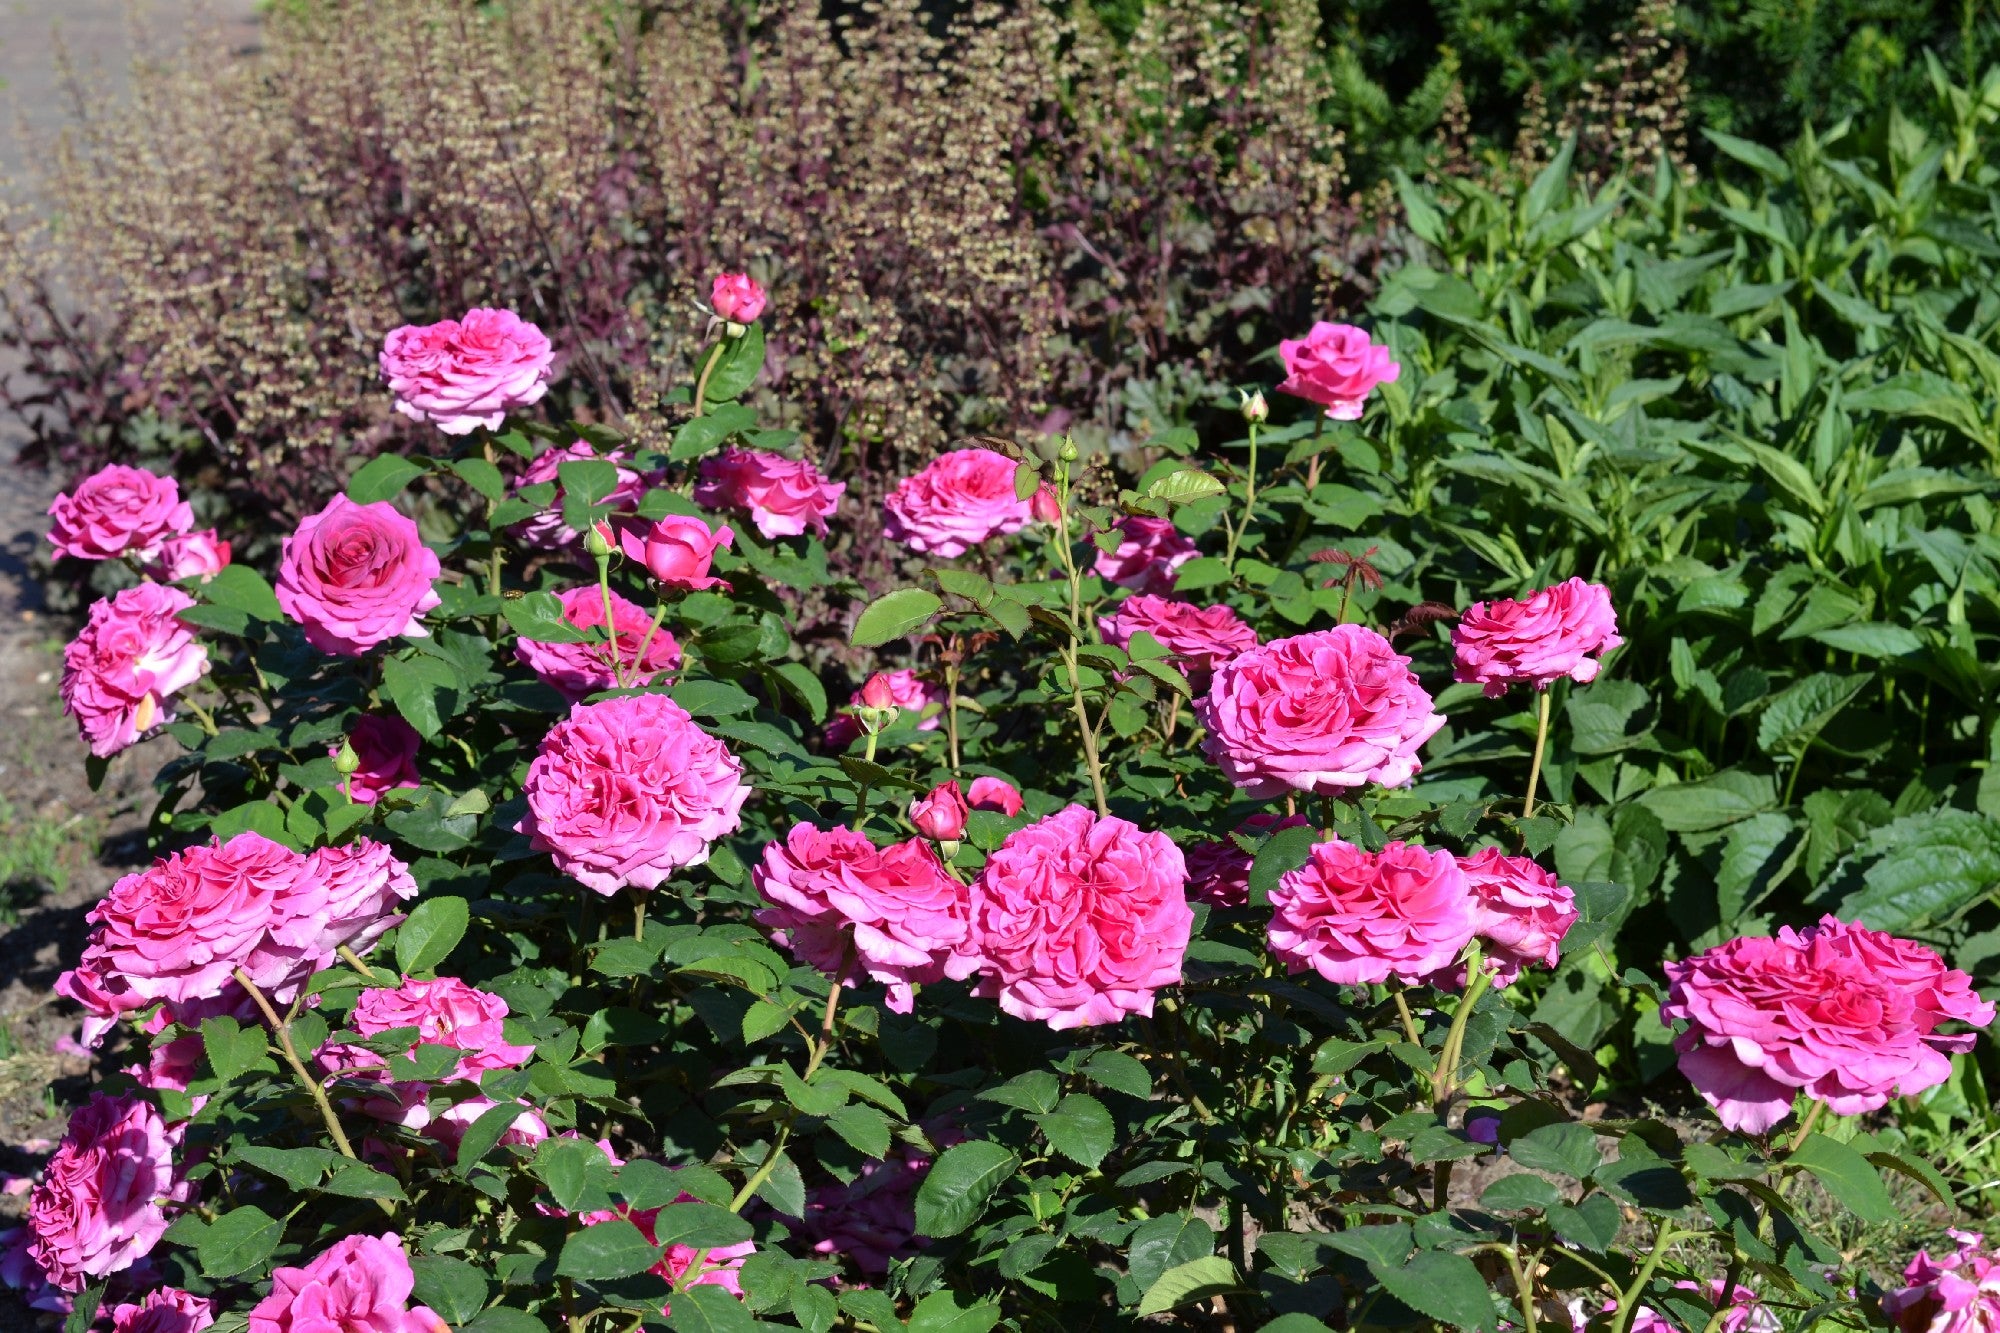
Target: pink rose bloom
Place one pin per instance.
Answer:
(1201, 638)
(940, 816)
(1523, 911)
(871, 1221)
(445, 1012)
(1844, 1013)
(118, 511)
(547, 529)
(1077, 920)
(785, 497)
(905, 690)
(121, 672)
(1959, 1293)
(179, 929)
(579, 670)
(387, 748)
(718, 1267)
(960, 500)
(996, 794)
(1547, 637)
(459, 374)
(364, 882)
(197, 555)
(1149, 551)
(677, 550)
(20, 1272)
(448, 1129)
(171, 1064)
(849, 908)
(629, 790)
(358, 1285)
(356, 576)
(1043, 506)
(1358, 917)
(102, 1204)
(737, 297)
(1746, 1314)
(165, 1310)
(1319, 712)
(1337, 367)
(1219, 872)
(103, 997)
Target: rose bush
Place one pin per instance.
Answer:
(547, 934)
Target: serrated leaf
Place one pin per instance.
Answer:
(961, 1181)
(452, 1287)
(240, 1240)
(941, 1312)
(606, 1250)
(1165, 1242)
(1848, 1176)
(1801, 711)
(1080, 1128)
(382, 477)
(430, 933)
(1184, 487)
(1569, 1149)
(1442, 1285)
(894, 615)
(1282, 852)
(242, 588)
(1195, 1280)
(1120, 1073)
(538, 617)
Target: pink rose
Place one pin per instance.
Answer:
(445, 1012)
(872, 1220)
(1043, 506)
(995, 794)
(1745, 1313)
(19, 1272)
(1547, 637)
(172, 1064)
(358, 1285)
(448, 1129)
(364, 882)
(179, 929)
(459, 374)
(960, 500)
(387, 748)
(677, 550)
(118, 511)
(356, 576)
(1149, 551)
(847, 907)
(165, 1310)
(121, 672)
(579, 670)
(197, 555)
(1077, 920)
(102, 1204)
(1959, 1293)
(718, 1267)
(1320, 712)
(940, 816)
(902, 689)
(1219, 872)
(736, 297)
(1523, 911)
(1844, 1013)
(1358, 917)
(629, 790)
(1201, 638)
(1337, 367)
(785, 496)
(103, 997)
(547, 529)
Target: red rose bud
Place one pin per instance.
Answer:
(1044, 506)
(941, 815)
(877, 692)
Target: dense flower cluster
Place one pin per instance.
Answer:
(640, 653)
(121, 673)
(103, 1201)
(118, 511)
(361, 1285)
(1201, 638)
(1959, 1293)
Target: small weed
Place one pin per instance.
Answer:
(39, 854)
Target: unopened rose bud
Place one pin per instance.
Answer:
(877, 693)
(948, 850)
(345, 761)
(873, 720)
(941, 815)
(598, 542)
(1068, 453)
(1254, 408)
(1044, 506)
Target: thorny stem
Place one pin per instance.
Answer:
(1541, 743)
(1249, 502)
(951, 710)
(820, 1047)
(610, 620)
(1812, 1118)
(1445, 1081)
(1075, 577)
(306, 1080)
(1522, 1287)
(701, 383)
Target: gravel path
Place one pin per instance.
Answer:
(61, 844)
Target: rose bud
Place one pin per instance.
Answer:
(1253, 406)
(941, 815)
(677, 550)
(1044, 505)
(737, 297)
(877, 692)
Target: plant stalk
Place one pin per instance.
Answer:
(1541, 745)
(701, 383)
(1249, 502)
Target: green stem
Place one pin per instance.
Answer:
(1409, 1019)
(861, 796)
(951, 712)
(1069, 655)
(610, 621)
(1541, 744)
(1249, 502)
(201, 714)
(353, 960)
(1812, 1118)
(639, 657)
(1445, 1081)
(1628, 1304)
(701, 384)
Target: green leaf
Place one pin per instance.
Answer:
(301, 1168)
(704, 1226)
(233, 1050)
(1120, 1073)
(505, 1319)
(940, 1312)
(893, 615)
(1568, 1148)
(1848, 1177)
(1204, 571)
(432, 931)
(1383, 1243)
(1798, 714)
(452, 1287)
(84, 1308)
(382, 477)
(606, 1250)
(1195, 1280)
(239, 1240)
(866, 1128)
(1927, 868)
(1080, 1128)
(1442, 1285)
(709, 1309)
(483, 477)
(741, 359)
(538, 617)
(484, 1133)
(1184, 487)
(1282, 852)
(1917, 1169)
(361, 1181)
(706, 433)
(1166, 1242)
(958, 1186)
(1518, 1192)
(242, 588)
(1592, 1224)
(414, 683)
